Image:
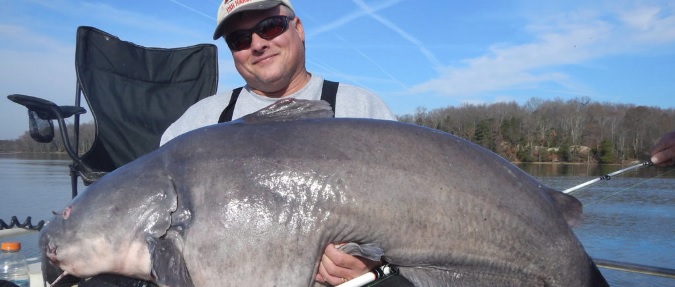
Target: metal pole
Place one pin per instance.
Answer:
(607, 176)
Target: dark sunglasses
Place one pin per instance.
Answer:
(266, 29)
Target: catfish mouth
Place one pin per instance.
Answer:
(49, 247)
(54, 261)
(50, 252)
(51, 267)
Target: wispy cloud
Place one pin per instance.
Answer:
(405, 35)
(650, 24)
(573, 38)
(21, 38)
(371, 11)
(364, 11)
(131, 21)
(346, 19)
(193, 10)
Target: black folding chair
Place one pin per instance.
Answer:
(134, 93)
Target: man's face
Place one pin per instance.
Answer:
(269, 65)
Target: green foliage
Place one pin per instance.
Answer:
(565, 152)
(525, 155)
(512, 131)
(485, 135)
(607, 153)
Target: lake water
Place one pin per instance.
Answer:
(629, 218)
(33, 185)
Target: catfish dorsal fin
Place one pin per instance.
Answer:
(570, 207)
(290, 109)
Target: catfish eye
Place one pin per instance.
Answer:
(65, 213)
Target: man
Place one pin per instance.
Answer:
(270, 55)
(267, 42)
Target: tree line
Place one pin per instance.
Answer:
(576, 130)
(26, 144)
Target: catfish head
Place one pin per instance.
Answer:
(108, 227)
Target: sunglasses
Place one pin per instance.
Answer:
(266, 29)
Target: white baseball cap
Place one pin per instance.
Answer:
(231, 7)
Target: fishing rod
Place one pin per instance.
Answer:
(376, 273)
(635, 268)
(386, 270)
(608, 176)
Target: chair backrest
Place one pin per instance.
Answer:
(134, 93)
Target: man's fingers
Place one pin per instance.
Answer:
(663, 153)
(337, 267)
(331, 273)
(664, 157)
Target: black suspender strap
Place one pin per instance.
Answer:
(226, 116)
(328, 94)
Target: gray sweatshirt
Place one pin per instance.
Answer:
(351, 102)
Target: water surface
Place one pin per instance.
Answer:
(629, 218)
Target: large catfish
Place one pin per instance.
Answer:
(255, 201)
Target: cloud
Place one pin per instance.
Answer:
(34, 73)
(196, 11)
(650, 24)
(38, 47)
(30, 58)
(128, 23)
(512, 66)
(371, 11)
(405, 35)
(21, 38)
(563, 39)
(346, 19)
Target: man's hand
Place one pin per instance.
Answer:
(337, 267)
(663, 153)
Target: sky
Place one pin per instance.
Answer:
(414, 54)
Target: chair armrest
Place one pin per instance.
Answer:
(44, 108)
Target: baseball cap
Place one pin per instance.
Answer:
(231, 7)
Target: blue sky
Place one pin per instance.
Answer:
(429, 54)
